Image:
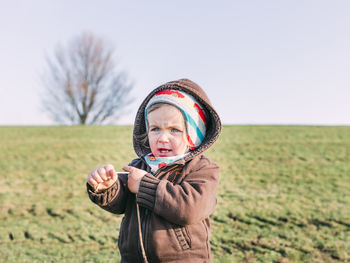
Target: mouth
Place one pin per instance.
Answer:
(164, 150)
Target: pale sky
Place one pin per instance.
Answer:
(260, 62)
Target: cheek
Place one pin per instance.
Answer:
(152, 140)
(180, 142)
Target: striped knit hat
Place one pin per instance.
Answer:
(192, 111)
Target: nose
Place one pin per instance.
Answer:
(163, 137)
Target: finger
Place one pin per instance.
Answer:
(112, 174)
(97, 177)
(92, 182)
(128, 168)
(109, 171)
(102, 173)
(109, 167)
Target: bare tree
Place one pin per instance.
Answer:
(82, 85)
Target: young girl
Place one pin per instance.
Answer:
(168, 193)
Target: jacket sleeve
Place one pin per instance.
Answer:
(189, 202)
(114, 198)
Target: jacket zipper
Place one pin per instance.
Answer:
(144, 220)
(143, 227)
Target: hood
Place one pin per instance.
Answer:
(186, 85)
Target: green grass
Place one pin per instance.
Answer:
(283, 195)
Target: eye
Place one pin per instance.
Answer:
(175, 130)
(154, 129)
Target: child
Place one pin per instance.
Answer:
(168, 192)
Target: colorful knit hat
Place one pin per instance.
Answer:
(192, 111)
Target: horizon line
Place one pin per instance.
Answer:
(224, 124)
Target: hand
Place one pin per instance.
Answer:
(134, 179)
(102, 177)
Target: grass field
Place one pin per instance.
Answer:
(284, 194)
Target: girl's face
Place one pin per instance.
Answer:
(167, 131)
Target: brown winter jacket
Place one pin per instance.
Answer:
(174, 203)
